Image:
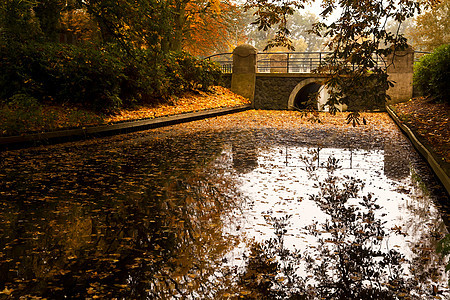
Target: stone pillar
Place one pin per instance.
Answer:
(401, 72)
(244, 71)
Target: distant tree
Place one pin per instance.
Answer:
(432, 27)
(299, 23)
(77, 26)
(404, 28)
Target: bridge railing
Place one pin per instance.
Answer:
(287, 62)
(290, 62)
(225, 60)
(419, 54)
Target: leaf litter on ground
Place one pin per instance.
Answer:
(51, 117)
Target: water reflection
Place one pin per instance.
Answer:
(376, 245)
(139, 222)
(396, 161)
(175, 215)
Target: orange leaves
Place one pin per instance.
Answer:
(211, 29)
(430, 120)
(221, 97)
(51, 118)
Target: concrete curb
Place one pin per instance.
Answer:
(426, 153)
(45, 138)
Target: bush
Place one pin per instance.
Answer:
(18, 113)
(432, 74)
(188, 73)
(59, 74)
(99, 79)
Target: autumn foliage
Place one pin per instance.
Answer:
(213, 32)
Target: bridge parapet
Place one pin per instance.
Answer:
(281, 62)
(247, 68)
(276, 62)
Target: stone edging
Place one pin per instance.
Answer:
(426, 153)
(15, 142)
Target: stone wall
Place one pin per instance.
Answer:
(272, 91)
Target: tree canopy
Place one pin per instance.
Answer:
(432, 28)
(359, 39)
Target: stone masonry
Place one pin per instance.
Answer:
(272, 91)
(244, 71)
(277, 90)
(401, 72)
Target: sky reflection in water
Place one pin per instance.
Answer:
(281, 185)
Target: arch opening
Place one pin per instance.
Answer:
(300, 95)
(302, 98)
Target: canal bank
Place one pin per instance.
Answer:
(53, 137)
(439, 166)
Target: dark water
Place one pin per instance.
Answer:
(181, 214)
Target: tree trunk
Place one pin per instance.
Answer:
(179, 23)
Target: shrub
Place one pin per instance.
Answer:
(188, 72)
(99, 79)
(432, 74)
(58, 73)
(18, 113)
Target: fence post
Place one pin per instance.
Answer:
(243, 77)
(287, 63)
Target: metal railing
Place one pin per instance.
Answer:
(288, 62)
(225, 60)
(419, 54)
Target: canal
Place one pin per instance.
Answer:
(252, 205)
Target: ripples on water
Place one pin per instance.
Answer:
(179, 214)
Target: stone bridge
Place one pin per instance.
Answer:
(283, 81)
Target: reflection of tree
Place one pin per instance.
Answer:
(144, 221)
(349, 260)
(271, 268)
(350, 263)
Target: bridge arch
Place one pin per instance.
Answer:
(309, 82)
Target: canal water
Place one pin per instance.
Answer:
(224, 209)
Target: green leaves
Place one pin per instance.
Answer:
(432, 74)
